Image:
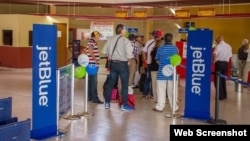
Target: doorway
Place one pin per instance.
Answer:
(61, 44)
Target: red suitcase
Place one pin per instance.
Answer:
(131, 100)
(248, 80)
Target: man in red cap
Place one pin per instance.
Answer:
(158, 34)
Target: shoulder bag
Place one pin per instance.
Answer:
(109, 62)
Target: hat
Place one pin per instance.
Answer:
(157, 33)
(95, 33)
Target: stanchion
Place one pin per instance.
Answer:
(174, 98)
(216, 120)
(72, 116)
(238, 86)
(85, 112)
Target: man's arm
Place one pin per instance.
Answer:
(214, 57)
(144, 56)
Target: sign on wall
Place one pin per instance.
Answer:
(132, 30)
(105, 28)
(82, 34)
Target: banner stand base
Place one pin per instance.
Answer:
(72, 117)
(85, 114)
(59, 134)
(176, 116)
(217, 121)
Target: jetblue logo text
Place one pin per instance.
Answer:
(198, 69)
(44, 74)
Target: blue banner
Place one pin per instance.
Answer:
(198, 74)
(44, 109)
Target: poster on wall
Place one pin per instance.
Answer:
(82, 34)
(105, 28)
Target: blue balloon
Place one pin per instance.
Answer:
(92, 69)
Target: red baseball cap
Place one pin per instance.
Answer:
(158, 33)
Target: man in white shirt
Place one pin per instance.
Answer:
(147, 57)
(221, 56)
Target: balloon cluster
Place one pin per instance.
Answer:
(168, 69)
(85, 67)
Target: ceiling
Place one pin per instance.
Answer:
(128, 3)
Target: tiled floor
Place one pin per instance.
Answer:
(143, 124)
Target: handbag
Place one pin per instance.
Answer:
(109, 62)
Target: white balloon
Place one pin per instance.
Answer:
(168, 70)
(83, 60)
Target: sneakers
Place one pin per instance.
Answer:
(127, 108)
(107, 105)
(123, 107)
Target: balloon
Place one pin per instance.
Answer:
(92, 69)
(175, 60)
(80, 72)
(83, 60)
(167, 70)
(127, 34)
(192, 28)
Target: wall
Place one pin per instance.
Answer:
(16, 57)
(19, 54)
(234, 29)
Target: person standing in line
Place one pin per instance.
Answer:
(247, 67)
(94, 58)
(135, 61)
(221, 56)
(140, 70)
(154, 67)
(146, 55)
(242, 57)
(123, 54)
(165, 83)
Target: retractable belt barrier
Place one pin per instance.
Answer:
(235, 80)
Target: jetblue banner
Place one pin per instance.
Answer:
(198, 74)
(44, 113)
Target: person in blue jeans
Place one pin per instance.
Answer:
(148, 85)
(120, 51)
